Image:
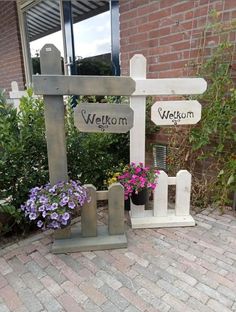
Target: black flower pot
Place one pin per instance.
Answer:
(127, 204)
(140, 198)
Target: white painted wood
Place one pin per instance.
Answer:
(183, 190)
(171, 180)
(161, 195)
(103, 117)
(16, 94)
(169, 86)
(138, 66)
(171, 220)
(172, 113)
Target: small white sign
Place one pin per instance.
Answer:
(173, 113)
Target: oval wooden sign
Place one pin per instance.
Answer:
(172, 113)
(103, 117)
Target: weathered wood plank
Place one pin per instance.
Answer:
(50, 61)
(83, 85)
(116, 209)
(77, 243)
(89, 214)
(173, 113)
(169, 86)
(103, 117)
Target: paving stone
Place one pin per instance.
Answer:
(150, 286)
(210, 292)
(192, 291)
(114, 297)
(69, 304)
(108, 307)
(11, 298)
(197, 305)
(32, 282)
(51, 285)
(3, 308)
(74, 292)
(17, 266)
(183, 276)
(169, 288)
(178, 305)
(217, 307)
(55, 274)
(89, 306)
(4, 267)
(109, 279)
(35, 269)
(15, 281)
(92, 293)
(49, 302)
(30, 301)
(227, 292)
(151, 299)
(131, 308)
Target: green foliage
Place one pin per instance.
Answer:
(213, 140)
(90, 66)
(23, 161)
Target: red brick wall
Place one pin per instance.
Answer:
(11, 60)
(169, 33)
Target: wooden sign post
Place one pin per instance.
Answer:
(163, 113)
(118, 118)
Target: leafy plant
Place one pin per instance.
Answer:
(208, 148)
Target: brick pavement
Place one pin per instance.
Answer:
(176, 269)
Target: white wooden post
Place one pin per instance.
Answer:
(138, 65)
(183, 190)
(160, 204)
(16, 94)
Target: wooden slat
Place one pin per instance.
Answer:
(116, 209)
(102, 195)
(89, 214)
(83, 85)
(170, 86)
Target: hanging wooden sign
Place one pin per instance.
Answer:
(172, 113)
(103, 117)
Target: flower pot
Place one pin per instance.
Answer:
(62, 233)
(127, 204)
(140, 198)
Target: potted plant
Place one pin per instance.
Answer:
(53, 206)
(136, 180)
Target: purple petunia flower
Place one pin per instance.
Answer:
(64, 222)
(41, 208)
(32, 216)
(43, 199)
(54, 225)
(44, 214)
(71, 205)
(54, 216)
(66, 216)
(54, 206)
(39, 223)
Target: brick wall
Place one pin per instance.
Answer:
(169, 33)
(11, 60)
